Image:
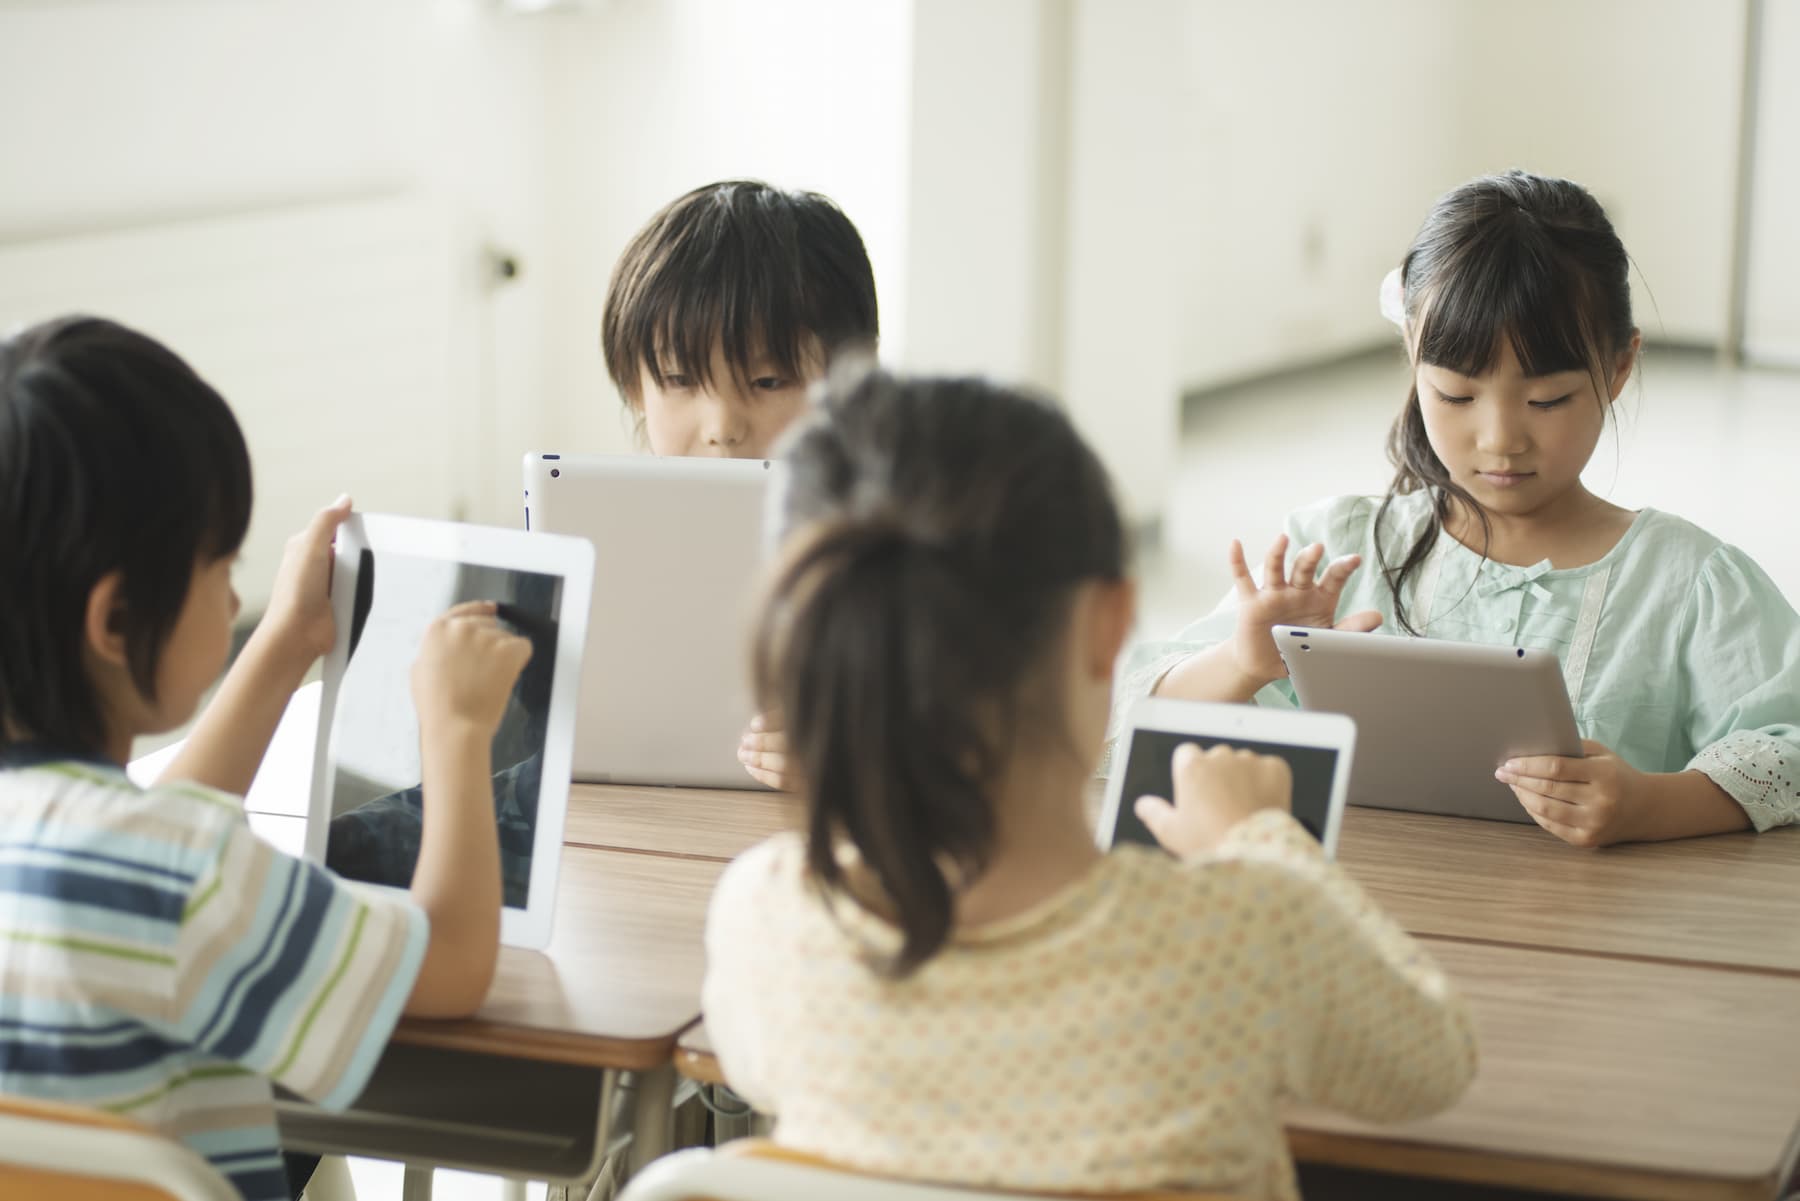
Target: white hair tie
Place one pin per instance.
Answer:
(1393, 299)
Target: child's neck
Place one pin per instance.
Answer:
(1042, 841)
(116, 748)
(1574, 530)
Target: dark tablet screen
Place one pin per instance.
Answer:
(1148, 773)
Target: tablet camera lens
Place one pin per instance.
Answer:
(1521, 652)
(556, 473)
(1305, 647)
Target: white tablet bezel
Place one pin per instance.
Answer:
(487, 546)
(1234, 723)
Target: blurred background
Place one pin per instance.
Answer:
(384, 227)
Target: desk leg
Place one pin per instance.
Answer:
(415, 1185)
(653, 1116)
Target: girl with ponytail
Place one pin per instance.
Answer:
(1682, 658)
(940, 975)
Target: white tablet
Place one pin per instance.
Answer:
(1435, 717)
(393, 575)
(665, 690)
(1317, 747)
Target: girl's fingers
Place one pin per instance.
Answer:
(1545, 767)
(1306, 567)
(1574, 835)
(1560, 791)
(1275, 566)
(767, 779)
(773, 762)
(1240, 571)
(471, 609)
(1549, 809)
(1339, 572)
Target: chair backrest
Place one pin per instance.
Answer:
(70, 1153)
(757, 1170)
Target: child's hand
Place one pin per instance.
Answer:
(1214, 791)
(1302, 598)
(466, 669)
(1585, 802)
(764, 753)
(299, 612)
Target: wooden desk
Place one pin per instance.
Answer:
(1730, 901)
(701, 823)
(620, 978)
(529, 1085)
(1598, 1076)
(1605, 1077)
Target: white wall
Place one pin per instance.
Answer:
(986, 215)
(1120, 199)
(185, 114)
(1121, 377)
(131, 112)
(1310, 145)
(1772, 318)
(648, 100)
(1640, 104)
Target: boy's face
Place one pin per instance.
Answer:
(725, 419)
(198, 645)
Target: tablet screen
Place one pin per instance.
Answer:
(377, 813)
(1148, 773)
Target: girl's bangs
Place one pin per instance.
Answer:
(1497, 288)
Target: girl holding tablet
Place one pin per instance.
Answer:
(944, 978)
(1682, 658)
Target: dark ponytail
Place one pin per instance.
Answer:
(937, 532)
(1523, 257)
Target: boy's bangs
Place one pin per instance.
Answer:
(1499, 288)
(755, 317)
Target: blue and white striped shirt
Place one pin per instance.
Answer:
(160, 961)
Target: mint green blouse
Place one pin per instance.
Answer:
(1678, 651)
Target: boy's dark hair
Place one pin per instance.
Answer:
(114, 456)
(939, 528)
(742, 264)
(1523, 257)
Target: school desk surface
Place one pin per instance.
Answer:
(1598, 1077)
(1730, 900)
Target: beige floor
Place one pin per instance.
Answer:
(1716, 446)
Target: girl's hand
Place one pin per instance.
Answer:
(299, 614)
(1586, 802)
(466, 669)
(764, 753)
(1300, 598)
(1214, 791)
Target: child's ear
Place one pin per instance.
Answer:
(1623, 363)
(1113, 613)
(104, 621)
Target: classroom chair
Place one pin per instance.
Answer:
(76, 1154)
(757, 1170)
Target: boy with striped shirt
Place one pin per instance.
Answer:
(156, 958)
